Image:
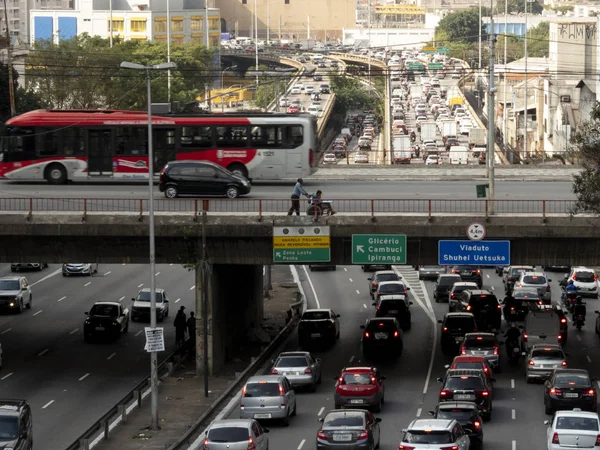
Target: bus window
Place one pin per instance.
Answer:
(199, 137)
(295, 135)
(232, 136)
(267, 137)
(73, 142)
(47, 142)
(138, 144)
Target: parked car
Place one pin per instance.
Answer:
(200, 178)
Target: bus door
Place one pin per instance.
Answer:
(293, 163)
(99, 152)
(163, 147)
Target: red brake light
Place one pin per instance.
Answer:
(395, 334)
(308, 370)
(564, 363)
(452, 447)
(574, 277)
(373, 380)
(598, 440)
(548, 288)
(363, 434)
(321, 435)
(444, 329)
(451, 294)
(405, 447)
(340, 380)
(563, 320)
(273, 372)
(485, 369)
(590, 392)
(555, 391)
(251, 445)
(367, 335)
(531, 362)
(560, 337)
(555, 439)
(476, 424)
(244, 391)
(525, 337)
(205, 446)
(311, 157)
(281, 390)
(444, 393)
(463, 350)
(373, 283)
(495, 349)
(595, 277)
(468, 307)
(485, 393)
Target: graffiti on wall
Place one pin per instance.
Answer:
(577, 31)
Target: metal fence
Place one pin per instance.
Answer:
(260, 207)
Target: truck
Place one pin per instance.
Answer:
(401, 150)
(477, 137)
(448, 128)
(459, 154)
(428, 131)
(307, 44)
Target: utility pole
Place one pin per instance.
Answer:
(491, 12)
(526, 83)
(207, 45)
(491, 142)
(268, 22)
(505, 111)
(11, 87)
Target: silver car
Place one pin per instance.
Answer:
(431, 272)
(541, 360)
(79, 269)
(536, 280)
(435, 433)
(235, 434)
(268, 397)
(300, 368)
(482, 344)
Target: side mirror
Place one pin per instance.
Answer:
(597, 312)
(266, 430)
(410, 303)
(362, 327)
(370, 279)
(524, 354)
(377, 419)
(318, 359)
(546, 422)
(408, 289)
(549, 280)
(404, 430)
(87, 313)
(374, 303)
(132, 299)
(337, 316)
(447, 366)
(320, 419)
(439, 380)
(440, 321)
(431, 413)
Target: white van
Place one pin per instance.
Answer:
(459, 154)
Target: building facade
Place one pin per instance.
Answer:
(131, 20)
(288, 19)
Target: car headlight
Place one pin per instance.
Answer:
(11, 304)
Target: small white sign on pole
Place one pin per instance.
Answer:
(155, 339)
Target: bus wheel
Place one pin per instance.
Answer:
(238, 169)
(56, 174)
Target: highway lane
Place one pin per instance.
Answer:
(523, 190)
(69, 383)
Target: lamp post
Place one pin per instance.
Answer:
(225, 70)
(153, 355)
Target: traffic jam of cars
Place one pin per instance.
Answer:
(481, 334)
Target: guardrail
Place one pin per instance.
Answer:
(360, 59)
(280, 206)
(118, 413)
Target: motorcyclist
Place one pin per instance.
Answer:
(512, 338)
(570, 287)
(509, 305)
(579, 309)
(413, 136)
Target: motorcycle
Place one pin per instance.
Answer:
(579, 321)
(568, 299)
(512, 350)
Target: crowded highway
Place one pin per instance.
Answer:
(68, 382)
(411, 389)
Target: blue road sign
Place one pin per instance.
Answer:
(481, 253)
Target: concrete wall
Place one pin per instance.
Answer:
(246, 240)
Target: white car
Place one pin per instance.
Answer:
(465, 128)
(314, 111)
(432, 434)
(309, 90)
(585, 280)
(329, 158)
(433, 160)
(573, 429)
(79, 269)
(296, 90)
(284, 102)
(361, 158)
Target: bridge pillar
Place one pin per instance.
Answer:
(235, 308)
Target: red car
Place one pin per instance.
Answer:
(292, 109)
(472, 362)
(360, 387)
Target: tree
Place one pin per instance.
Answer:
(268, 87)
(24, 100)
(459, 27)
(350, 94)
(586, 184)
(518, 6)
(84, 72)
(538, 45)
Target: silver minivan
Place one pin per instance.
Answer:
(235, 434)
(268, 397)
(541, 327)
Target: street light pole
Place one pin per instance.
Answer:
(153, 355)
(491, 31)
(526, 83)
(256, 40)
(225, 70)
(491, 115)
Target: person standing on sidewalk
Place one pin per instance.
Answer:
(296, 193)
(180, 323)
(191, 327)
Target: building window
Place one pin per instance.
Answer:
(287, 2)
(197, 39)
(214, 24)
(160, 25)
(196, 24)
(177, 25)
(214, 41)
(244, 2)
(177, 39)
(118, 25)
(138, 26)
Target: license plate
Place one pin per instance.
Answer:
(314, 335)
(466, 273)
(464, 397)
(381, 336)
(571, 395)
(393, 311)
(262, 416)
(342, 437)
(460, 339)
(356, 401)
(292, 373)
(100, 328)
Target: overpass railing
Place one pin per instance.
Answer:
(266, 206)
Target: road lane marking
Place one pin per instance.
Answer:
(352, 359)
(6, 376)
(87, 284)
(514, 445)
(178, 300)
(122, 298)
(43, 352)
(345, 269)
(301, 444)
(124, 264)
(321, 411)
(364, 304)
(351, 280)
(157, 274)
(56, 272)
(513, 414)
(6, 331)
(39, 312)
(312, 288)
(108, 273)
(112, 355)
(419, 411)
(140, 285)
(358, 292)
(588, 358)
(487, 275)
(47, 404)
(171, 264)
(84, 377)
(74, 331)
(139, 332)
(193, 287)
(512, 383)
(578, 338)
(61, 299)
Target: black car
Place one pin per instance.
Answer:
(15, 267)
(200, 178)
(318, 325)
(465, 413)
(382, 336)
(370, 267)
(454, 327)
(484, 306)
(356, 428)
(108, 319)
(468, 273)
(441, 289)
(314, 267)
(324, 89)
(468, 385)
(569, 388)
(395, 306)
(16, 425)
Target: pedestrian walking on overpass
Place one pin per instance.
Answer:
(296, 193)
(191, 327)
(180, 324)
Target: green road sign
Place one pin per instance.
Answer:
(378, 249)
(480, 189)
(301, 255)
(435, 66)
(416, 66)
(443, 50)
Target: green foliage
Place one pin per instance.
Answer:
(539, 40)
(458, 28)
(268, 87)
(84, 72)
(350, 94)
(561, 9)
(24, 100)
(518, 6)
(586, 184)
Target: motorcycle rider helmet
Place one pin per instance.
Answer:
(571, 282)
(513, 325)
(578, 299)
